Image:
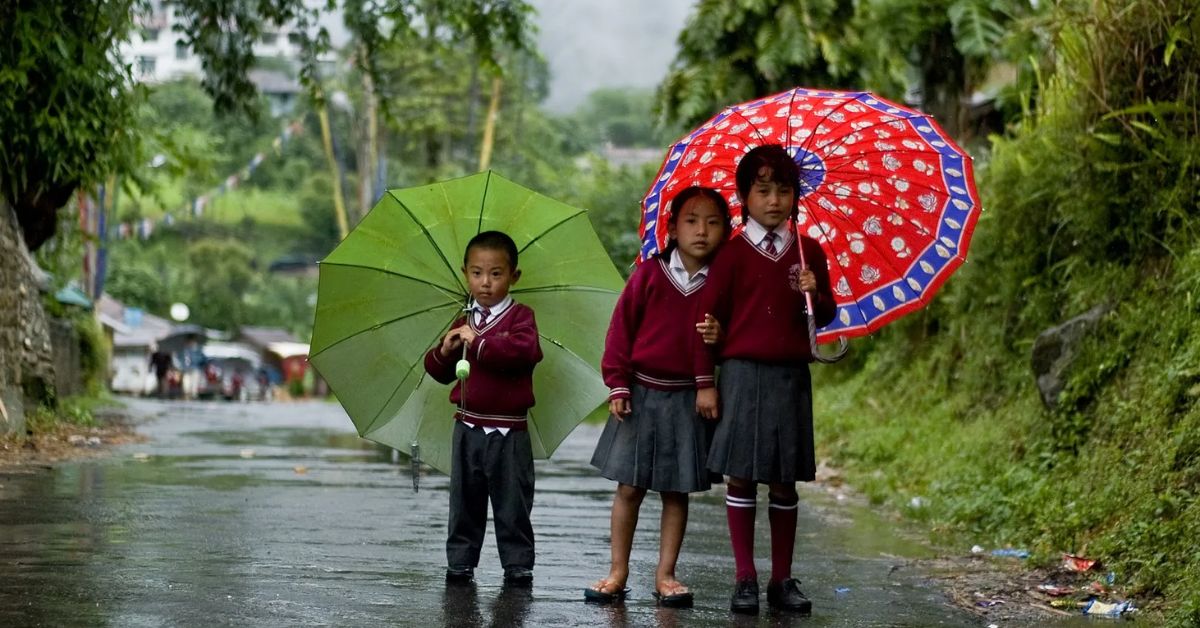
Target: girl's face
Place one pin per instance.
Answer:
(698, 228)
(769, 202)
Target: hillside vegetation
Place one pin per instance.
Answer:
(1091, 201)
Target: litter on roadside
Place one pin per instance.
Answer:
(1108, 609)
(1009, 552)
(1055, 590)
(1072, 562)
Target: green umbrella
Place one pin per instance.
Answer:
(392, 288)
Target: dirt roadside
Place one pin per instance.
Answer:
(66, 442)
(999, 590)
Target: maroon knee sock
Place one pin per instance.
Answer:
(782, 515)
(740, 509)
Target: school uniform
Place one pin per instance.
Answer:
(765, 430)
(662, 445)
(492, 456)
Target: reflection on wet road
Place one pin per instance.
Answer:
(257, 514)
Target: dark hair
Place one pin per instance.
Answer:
(695, 191)
(784, 170)
(689, 193)
(496, 241)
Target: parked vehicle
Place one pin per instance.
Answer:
(233, 371)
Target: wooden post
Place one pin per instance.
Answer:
(339, 206)
(489, 127)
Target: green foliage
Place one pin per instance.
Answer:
(622, 117)
(493, 29)
(730, 51)
(67, 108)
(1092, 200)
(937, 52)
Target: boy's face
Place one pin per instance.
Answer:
(489, 275)
(698, 228)
(769, 202)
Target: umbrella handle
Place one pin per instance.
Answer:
(416, 466)
(843, 344)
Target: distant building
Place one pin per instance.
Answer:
(622, 156)
(157, 53)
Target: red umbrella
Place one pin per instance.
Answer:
(888, 195)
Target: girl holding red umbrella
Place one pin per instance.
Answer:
(756, 290)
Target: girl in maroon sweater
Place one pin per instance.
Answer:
(655, 438)
(755, 289)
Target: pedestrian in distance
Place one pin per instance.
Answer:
(160, 364)
(755, 289)
(656, 438)
(191, 363)
(492, 456)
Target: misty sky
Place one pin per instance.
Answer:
(591, 44)
(606, 43)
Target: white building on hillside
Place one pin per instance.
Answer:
(156, 53)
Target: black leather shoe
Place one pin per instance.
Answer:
(518, 576)
(745, 597)
(459, 575)
(786, 595)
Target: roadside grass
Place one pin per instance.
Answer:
(961, 441)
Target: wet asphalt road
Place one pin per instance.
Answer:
(278, 515)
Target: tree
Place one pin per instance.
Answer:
(934, 53)
(733, 50)
(68, 107)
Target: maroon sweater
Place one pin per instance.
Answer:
(649, 338)
(499, 391)
(760, 306)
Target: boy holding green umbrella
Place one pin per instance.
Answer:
(492, 455)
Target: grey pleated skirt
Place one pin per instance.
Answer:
(661, 446)
(766, 431)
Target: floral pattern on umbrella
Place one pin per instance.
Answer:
(886, 192)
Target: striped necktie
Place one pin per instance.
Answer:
(768, 243)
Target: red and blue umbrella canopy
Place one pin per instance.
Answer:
(884, 190)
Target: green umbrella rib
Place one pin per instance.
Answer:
(564, 288)
(487, 182)
(339, 341)
(553, 227)
(432, 242)
(447, 291)
(367, 430)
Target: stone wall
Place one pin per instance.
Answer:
(26, 362)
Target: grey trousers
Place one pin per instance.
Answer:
(499, 467)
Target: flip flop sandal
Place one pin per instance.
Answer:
(675, 600)
(593, 596)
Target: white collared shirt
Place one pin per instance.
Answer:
(496, 310)
(757, 232)
(681, 275)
